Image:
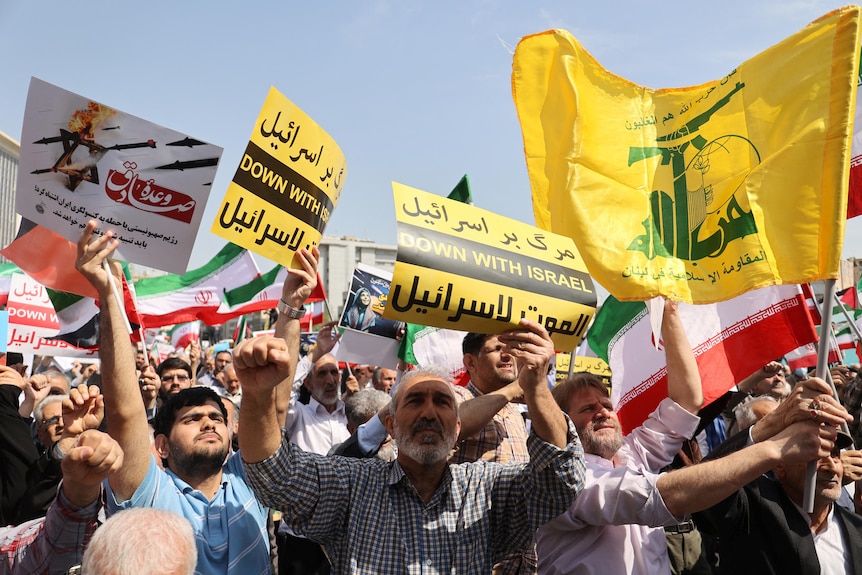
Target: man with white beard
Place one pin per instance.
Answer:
(417, 512)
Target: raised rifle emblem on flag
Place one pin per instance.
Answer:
(682, 225)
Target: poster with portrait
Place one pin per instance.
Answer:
(368, 337)
(366, 302)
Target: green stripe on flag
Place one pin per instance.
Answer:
(171, 282)
(244, 293)
(613, 320)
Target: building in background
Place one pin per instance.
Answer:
(338, 258)
(9, 153)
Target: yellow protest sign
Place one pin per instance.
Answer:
(698, 193)
(286, 186)
(593, 365)
(464, 268)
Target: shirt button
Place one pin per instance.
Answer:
(428, 562)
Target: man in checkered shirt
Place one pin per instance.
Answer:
(418, 514)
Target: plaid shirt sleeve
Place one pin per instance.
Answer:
(51, 544)
(528, 496)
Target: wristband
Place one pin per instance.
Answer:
(291, 312)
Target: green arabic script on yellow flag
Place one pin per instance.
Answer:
(699, 193)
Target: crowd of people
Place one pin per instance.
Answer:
(261, 460)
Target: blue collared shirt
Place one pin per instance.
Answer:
(230, 530)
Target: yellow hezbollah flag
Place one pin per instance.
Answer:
(701, 193)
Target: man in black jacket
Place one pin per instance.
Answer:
(762, 527)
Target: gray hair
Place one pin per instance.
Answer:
(363, 405)
(424, 372)
(40, 407)
(744, 412)
(116, 547)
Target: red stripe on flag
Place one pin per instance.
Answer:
(727, 358)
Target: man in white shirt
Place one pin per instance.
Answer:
(615, 524)
(598, 533)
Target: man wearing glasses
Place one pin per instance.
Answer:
(176, 375)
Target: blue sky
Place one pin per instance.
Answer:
(416, 92)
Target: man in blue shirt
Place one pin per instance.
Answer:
(191, 438)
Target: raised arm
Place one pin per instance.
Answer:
(124, 410)
(475, 413)
(261, 364)
(297, 287)
(532, 348)
(683, 378)
(698, 487)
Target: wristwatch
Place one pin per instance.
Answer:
(291, 312)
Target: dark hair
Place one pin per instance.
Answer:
(473, 342)
(166, 415)
(174, 363)
(14, 358)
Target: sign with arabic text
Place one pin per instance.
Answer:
(286, 186)
(464, 268)
(81, 160)
(689, 192)
(32, 321)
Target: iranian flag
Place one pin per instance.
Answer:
(6, 271)
(313, 315)
(730, 339)
(261, 293)
(173, 299)
(79, 316)
(185, 333)
(423, 345)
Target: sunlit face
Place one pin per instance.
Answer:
(174, 381)
(425, 425)
(199, 441)
(776, 386)
(325, 381)
(491, 368)
(51, 427)
(596, 421)
(229, 379)
(385, 380)
(830, 472)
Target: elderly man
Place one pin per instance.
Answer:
(762, 525)
(382, 517)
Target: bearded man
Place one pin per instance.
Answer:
(417, 512)
(199, 480)
(614, 526)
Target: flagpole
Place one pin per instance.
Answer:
(821, 371)
(106, 266)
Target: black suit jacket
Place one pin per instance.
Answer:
(761, 531)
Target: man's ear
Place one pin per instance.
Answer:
(161, 445)
(469, 361)
(389, 423)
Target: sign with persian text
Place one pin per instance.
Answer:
(81, 160)
(464, 268)
(286, 186)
